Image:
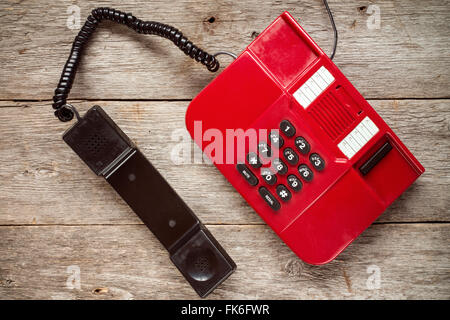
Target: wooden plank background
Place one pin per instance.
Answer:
(56, 214)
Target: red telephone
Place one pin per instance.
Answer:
(327, 167)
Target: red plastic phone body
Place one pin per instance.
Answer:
(264, 86)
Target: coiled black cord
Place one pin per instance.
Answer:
(63, 111)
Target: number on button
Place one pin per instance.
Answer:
(305, 172)
(275, 139)
(253, 160)
(294, 182)
(317, 162)
(264, 150)
(279, 166)
(287, 128)
(290, 156)
(269, 177)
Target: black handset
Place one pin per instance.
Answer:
(108, 151)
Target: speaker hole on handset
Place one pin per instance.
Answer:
(201, 264)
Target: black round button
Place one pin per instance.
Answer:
(279, 166)
(294, 182)
(302, 145)
(283, 193)
(275, 139)
(290, 156)
(287, 128)
(269, 198)
(317, 162)
(305, 172)
(268, 176)
(264, 150)
(253, 160)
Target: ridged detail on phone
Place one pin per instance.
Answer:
(332, 115)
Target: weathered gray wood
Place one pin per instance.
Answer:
(44, 182)
(407, 57)
(54, 213)
(123, 262)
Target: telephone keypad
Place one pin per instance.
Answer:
(276, 170)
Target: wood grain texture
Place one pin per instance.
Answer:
(44, 182)
(407, 57)
(54, 213)
(127, 262)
